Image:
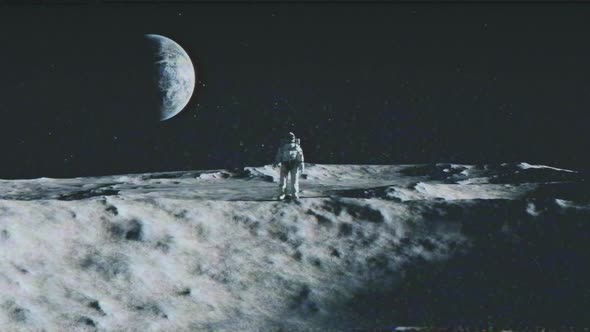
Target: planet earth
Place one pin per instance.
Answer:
(175, 75)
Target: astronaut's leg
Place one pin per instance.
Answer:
(283, 181)
(295, 182)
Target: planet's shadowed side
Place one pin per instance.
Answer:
(126, 95)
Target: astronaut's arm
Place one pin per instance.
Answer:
(278, 157)
(301, 161)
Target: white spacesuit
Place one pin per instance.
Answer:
(290, 158)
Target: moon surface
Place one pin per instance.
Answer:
(367, 247)
(175, 75)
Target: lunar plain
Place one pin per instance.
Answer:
(366, 247)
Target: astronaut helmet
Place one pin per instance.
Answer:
(290, 137)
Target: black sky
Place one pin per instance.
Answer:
(359, 83)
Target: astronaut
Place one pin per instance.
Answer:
(290, 159)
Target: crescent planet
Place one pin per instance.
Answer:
(175, 75)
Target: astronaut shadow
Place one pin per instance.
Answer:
(251, 200)
(275, 199)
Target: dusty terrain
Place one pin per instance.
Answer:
(366, 247)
